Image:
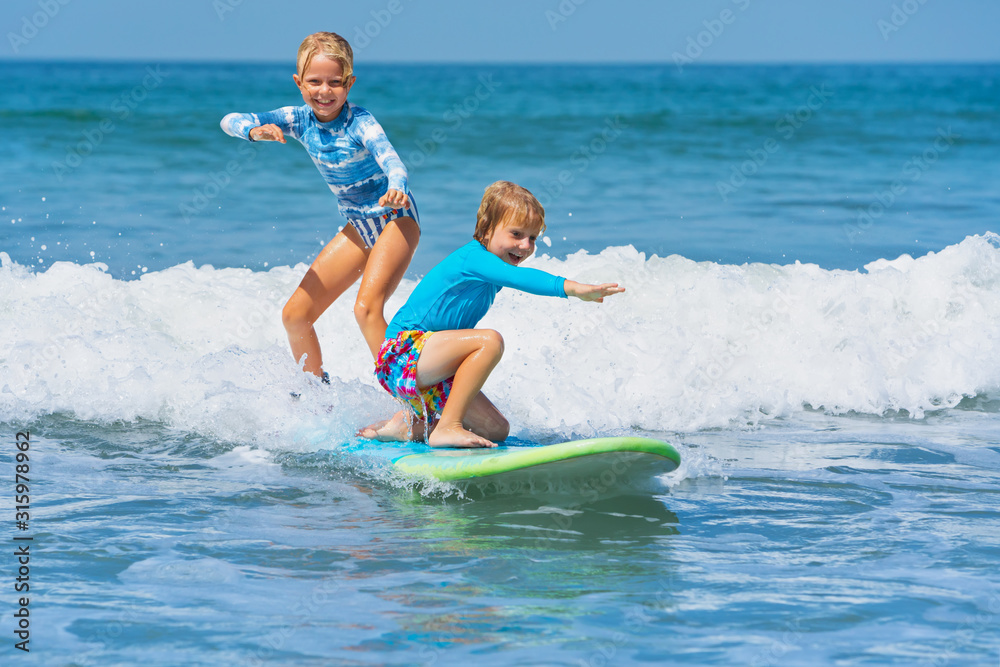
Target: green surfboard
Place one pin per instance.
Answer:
(601, 466)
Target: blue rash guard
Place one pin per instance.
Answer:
(456, 293)
(351, 152)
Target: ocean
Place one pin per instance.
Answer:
(812, 317)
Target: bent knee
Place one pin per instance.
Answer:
(501, 430)
(494, 427)
(294, 314)
(492, 342)
(365, 310)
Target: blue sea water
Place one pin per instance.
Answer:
(812, 317)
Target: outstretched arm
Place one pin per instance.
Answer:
(591, 292)
(373, 138)
(487, 266)
(269, 126)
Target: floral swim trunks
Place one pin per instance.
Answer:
(396, 370)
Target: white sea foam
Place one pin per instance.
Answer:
(689, 346)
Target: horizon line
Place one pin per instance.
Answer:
(516, 63)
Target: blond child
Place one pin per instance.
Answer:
(359, 164)
(432, 357)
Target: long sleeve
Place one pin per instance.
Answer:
(373, 138)
(488, 267)
(239, 124)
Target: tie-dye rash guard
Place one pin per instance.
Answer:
(351, 152)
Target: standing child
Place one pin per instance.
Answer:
(433, 359)
(359, 164)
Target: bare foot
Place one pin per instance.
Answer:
(456, 436)
(396, 429)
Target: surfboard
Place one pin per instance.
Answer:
(597, 467)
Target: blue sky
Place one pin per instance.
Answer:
(706, 31)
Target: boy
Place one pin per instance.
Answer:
(433, 359)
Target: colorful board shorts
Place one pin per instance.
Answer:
(396, 370)
(370, 228)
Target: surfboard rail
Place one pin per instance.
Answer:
(449, 465)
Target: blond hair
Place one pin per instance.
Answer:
(329, 44)
(504, 202)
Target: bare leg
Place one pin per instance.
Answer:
(335, 269)
(483, 418)
(385, 268)
(468, 355)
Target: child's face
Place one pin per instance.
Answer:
(324, 88)
(513, 241)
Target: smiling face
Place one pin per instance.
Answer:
(513, 240)
(509, 221)
(324, 87)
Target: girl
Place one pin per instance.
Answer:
(359, 164)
